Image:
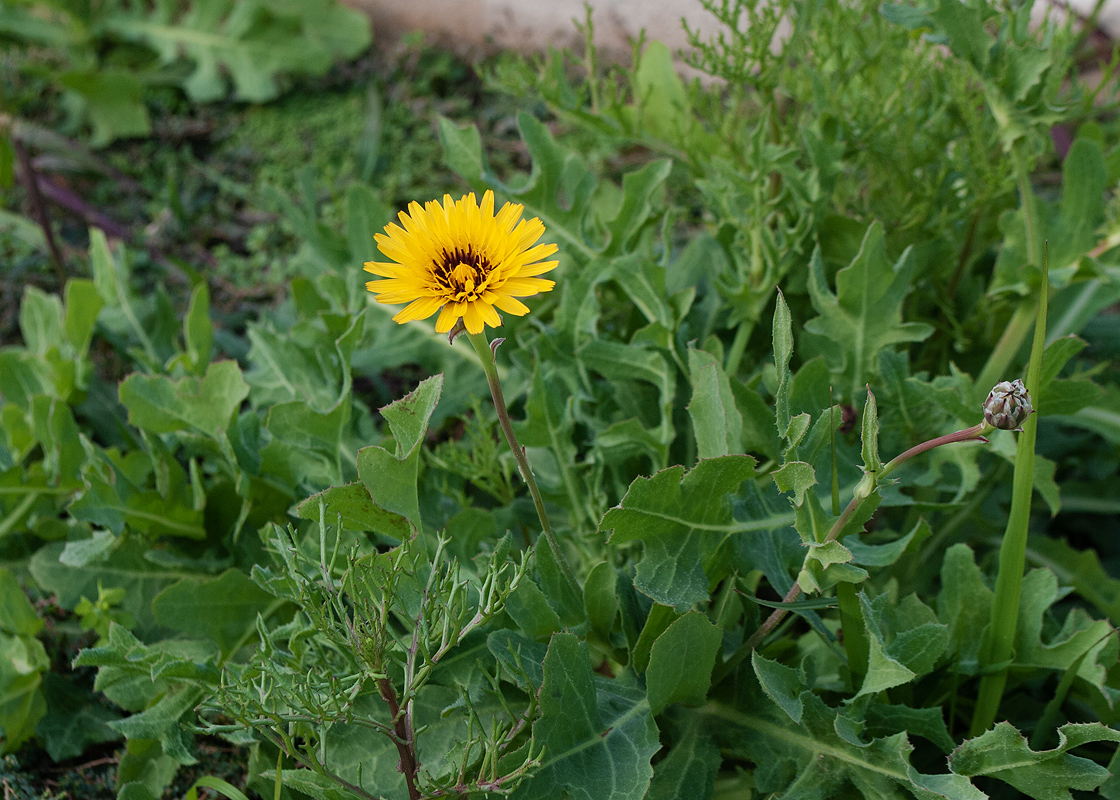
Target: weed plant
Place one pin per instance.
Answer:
(751, 513)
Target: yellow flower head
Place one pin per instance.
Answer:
(462, 258)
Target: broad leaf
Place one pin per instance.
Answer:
(598, 735)
(864, 316)
(1003, 753)
(683, 520)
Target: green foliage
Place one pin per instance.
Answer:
(210, 512)
(193, 46)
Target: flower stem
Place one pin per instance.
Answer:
(1013, 550)
(865, 489)
(486, 355)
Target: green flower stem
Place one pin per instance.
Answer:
(486, 355)
(1013, 551)
(738, 347)
(1020, 325)
(865, 489)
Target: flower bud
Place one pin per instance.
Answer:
(368, 640)
(1008, 406)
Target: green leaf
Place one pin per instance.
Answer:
(529, 608)
(639, 188)
(681, 662)
(112, 99)
(40, 321)
(883, 555)
(964, 27)
(864, 316)
(622, 362)
(689, 770)
(462, 152)
(1079, 636)
(252, 42)
(23, 660)
(217, 784)
(563, 593)
(126, 568)
(598, 735)
(354, 506)
(73, 720)
(161, 722)
(205, 406)
(783, 352)
(872, 463)
(390, 478)
(1080, 569)
(83, 303)
(1003, 753)
(7, 160)
(17, 615)
(683, 521)
(797, 477)
(819, 756)
(144, 771)
(662, 98)
(780, 683)
(600, 597)
(715, 417)
(906, 641)
(521, 657)
(198, 332)
(222, 609)
(964, 605)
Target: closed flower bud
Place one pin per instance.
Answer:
(1008, 406)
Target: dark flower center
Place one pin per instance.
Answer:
(463, 273)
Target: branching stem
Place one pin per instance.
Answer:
(863, 491)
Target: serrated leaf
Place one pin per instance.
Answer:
(1080, 569)
(864, 316)
(780, 683)
(205, 406)
(353, 504)
(161, 722)
(681, 662)
(622, 362)
(964, 27)
(251, 41)
(598, 735)
(390, 478)
(1080, 636)
(964, 605)
(1003, 753)
(813, 760)
(683, 521)
(73, 720)
(797, 477)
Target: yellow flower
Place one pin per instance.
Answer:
(462, 258)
